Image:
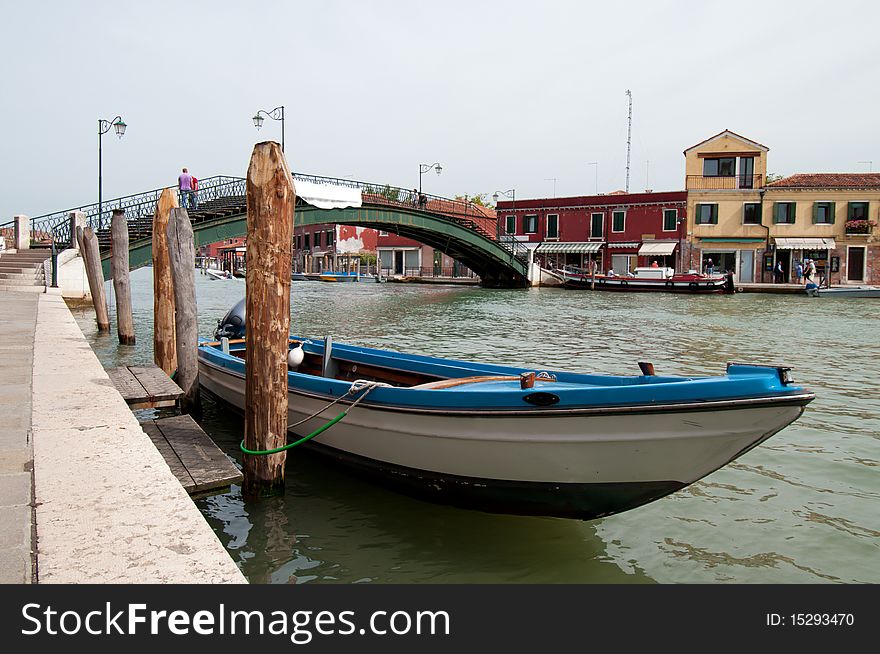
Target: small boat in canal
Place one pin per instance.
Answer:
(338, 277)
(649, 279)
(813, 290)
(515, 439)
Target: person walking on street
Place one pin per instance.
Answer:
(808, 272)
(780, 273)
(184, 184)
(799, 272)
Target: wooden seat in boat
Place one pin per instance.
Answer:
(460, 381)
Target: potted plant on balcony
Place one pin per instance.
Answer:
(859, 226)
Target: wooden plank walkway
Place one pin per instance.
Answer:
(145, 387)
(195, 460)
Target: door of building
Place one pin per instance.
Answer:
(747, 172)
(855, 264)
(784, 257)
(398, 262)
(747, 266)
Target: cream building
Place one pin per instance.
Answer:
(743, 224)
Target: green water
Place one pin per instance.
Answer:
(802, 507)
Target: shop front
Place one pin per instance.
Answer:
(573, 254)
(793, 251)
(736, 255)
(623, 256)
(660, 252)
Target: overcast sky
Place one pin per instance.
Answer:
(503, 94)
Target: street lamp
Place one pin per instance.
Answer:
(424, 168)
(276, 114)
(509, 193)
(104, 127)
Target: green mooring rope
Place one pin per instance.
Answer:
(356, 387)
(284, 448)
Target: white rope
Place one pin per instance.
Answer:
(357, 386)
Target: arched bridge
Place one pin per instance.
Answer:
(461, 229)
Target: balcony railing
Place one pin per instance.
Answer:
(733, 182)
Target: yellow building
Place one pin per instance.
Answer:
(738, 222)
(724, 177)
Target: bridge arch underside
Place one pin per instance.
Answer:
(496, 267)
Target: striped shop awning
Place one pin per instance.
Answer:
(622, 244)
(660, 248)
(804, 243)
(577, 247)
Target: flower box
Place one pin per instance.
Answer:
(859, 226)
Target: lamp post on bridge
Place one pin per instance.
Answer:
(275, 114)
(509, 193)
(103, 127)
(424, 168)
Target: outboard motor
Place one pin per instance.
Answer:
(232, 325)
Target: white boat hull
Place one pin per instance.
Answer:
(625, 459)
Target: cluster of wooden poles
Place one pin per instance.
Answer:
(270, 213)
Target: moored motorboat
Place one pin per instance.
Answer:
(814, 290)
(338, 277)
(650, 279)
(506, 439)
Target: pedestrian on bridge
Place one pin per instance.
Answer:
(185, 185)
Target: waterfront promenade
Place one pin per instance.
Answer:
(85, 497)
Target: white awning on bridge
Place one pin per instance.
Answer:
(327, 196)
(804, 243)
(578, 247)
(660, 248)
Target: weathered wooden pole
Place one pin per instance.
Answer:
(270, 204)
(164, 338)
(182, 257)
(121, 281)
(92, 260)
(593, 265)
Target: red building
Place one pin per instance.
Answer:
(399, 255)
(618, 230)
(326, 247)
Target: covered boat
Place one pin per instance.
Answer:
(649, 279)
(518, 440)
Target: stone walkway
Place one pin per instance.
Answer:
(18, 318)
(108, 508)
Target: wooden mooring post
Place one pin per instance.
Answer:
(92, 260)
(121, 281)
(164, 333)
(182, 258)
(270, 209)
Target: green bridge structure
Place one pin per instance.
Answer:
(459, 228)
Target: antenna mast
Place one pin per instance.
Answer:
(629, 135)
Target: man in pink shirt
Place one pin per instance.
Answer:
(187, 195)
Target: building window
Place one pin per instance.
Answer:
(307, 246)
(857, 211)
(618, 221)
(298, 242)
(552, 226)
(330, 235)
(510, 226)
(823, 213)
(597, 222)
(670, 220)
(752, 213)
(317, 239)
(784, 213)
(721, 167)
(530, 224)
(707, 214)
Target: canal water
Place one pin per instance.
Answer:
(802, 507)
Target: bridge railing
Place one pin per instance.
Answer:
(137, 207)
(471, 215)
(141, 206)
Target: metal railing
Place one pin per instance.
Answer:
(451, 272)
(731, 182)
(140, 207)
